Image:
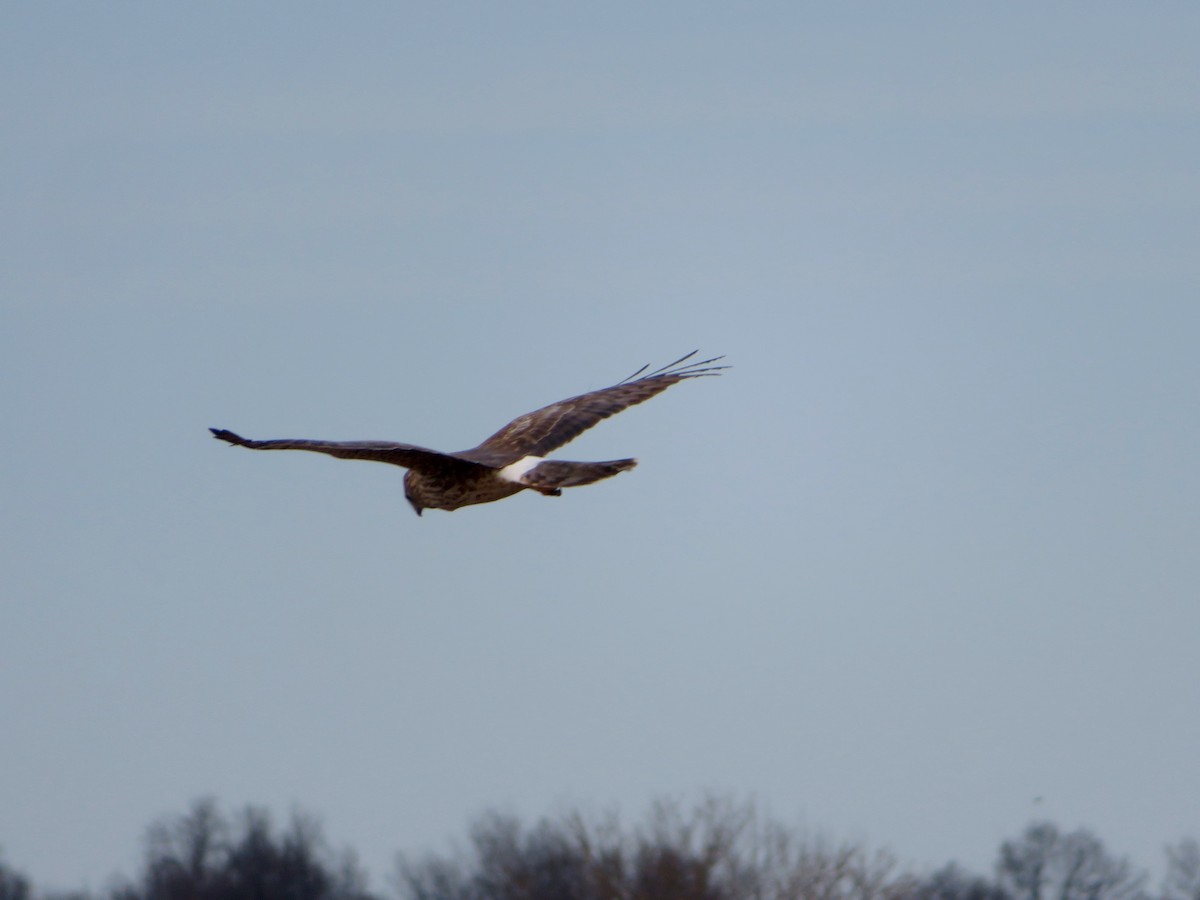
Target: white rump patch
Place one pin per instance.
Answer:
(515, 472)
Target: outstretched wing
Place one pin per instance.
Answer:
(539, 432)
(407, 455)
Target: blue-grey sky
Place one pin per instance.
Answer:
(928, 552)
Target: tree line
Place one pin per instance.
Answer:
(717, 849)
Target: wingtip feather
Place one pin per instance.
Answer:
(681, 368)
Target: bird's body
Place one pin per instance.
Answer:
(481, 484)
(512, 459)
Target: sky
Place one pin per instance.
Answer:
(926, 553)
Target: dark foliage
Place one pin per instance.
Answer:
(13, 885)
(204, 856)
(952, 883)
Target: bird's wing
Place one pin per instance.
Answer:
(407, 455)
(539, 432)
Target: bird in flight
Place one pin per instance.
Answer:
(512, 459)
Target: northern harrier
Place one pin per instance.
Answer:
(513, 458)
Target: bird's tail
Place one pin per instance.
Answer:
(553, 474)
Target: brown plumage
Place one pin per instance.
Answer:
(511, 459)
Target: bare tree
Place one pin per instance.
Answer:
(1045, 864)
(184, 854)
(1182, 881)
(717, 850)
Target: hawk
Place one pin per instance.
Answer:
(512, 459)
